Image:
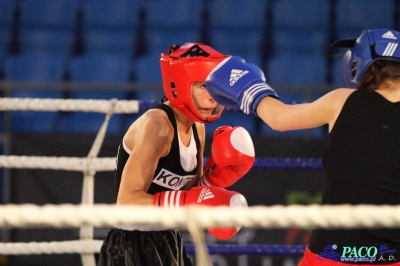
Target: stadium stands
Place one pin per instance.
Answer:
(120, 41)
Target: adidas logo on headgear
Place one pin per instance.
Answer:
(205, 194)
(389, 35)
(236, 74)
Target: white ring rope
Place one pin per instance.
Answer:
(339, 216)
(58, 163)
(101, 215)
(54, 247)
(37, 104)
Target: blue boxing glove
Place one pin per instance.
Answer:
(235, 82)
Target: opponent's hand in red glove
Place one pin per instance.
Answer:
(232, 153)
(209, 196)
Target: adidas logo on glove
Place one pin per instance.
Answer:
(247, 93)
(236, 74)
(205, 194)
(389, 35)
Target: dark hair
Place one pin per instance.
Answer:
(379, 72)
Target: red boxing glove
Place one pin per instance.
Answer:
(210, 196)
(232, 157)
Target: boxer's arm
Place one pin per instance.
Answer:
(139, 169)
(325, 110)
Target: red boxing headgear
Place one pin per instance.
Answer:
(183, 66)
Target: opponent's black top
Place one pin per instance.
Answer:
(169, 174)
(362, 166)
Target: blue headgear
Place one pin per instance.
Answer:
(371, 45)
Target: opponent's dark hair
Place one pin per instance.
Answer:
(379, 72)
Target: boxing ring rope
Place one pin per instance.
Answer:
(277, 216)
(107, 163)
(76, 105)
(99, 215)
(88, 215)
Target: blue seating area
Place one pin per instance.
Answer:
(39, 40)
(5, 22)
(373, 14)
(47, 14)
(120, 41)
(301, 69)
(3, 43)
(171, 22)
(110, 14)
(309, 14)
(247, 44)
(237, 28)
(6, 12)
(110, 25)
(35, 67)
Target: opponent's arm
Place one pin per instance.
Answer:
(208, 196)
(282, 117)
(249, 90)
(149, 139)
(232, 157)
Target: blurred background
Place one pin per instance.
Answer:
(103, 49)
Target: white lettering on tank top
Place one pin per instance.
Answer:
(170, 180)
(188, 154)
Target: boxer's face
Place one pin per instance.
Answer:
(203, 101)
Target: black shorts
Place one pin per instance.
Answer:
(142, 248)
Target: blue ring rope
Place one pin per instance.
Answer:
(288, 164)
(308, 164)
(254, 249)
